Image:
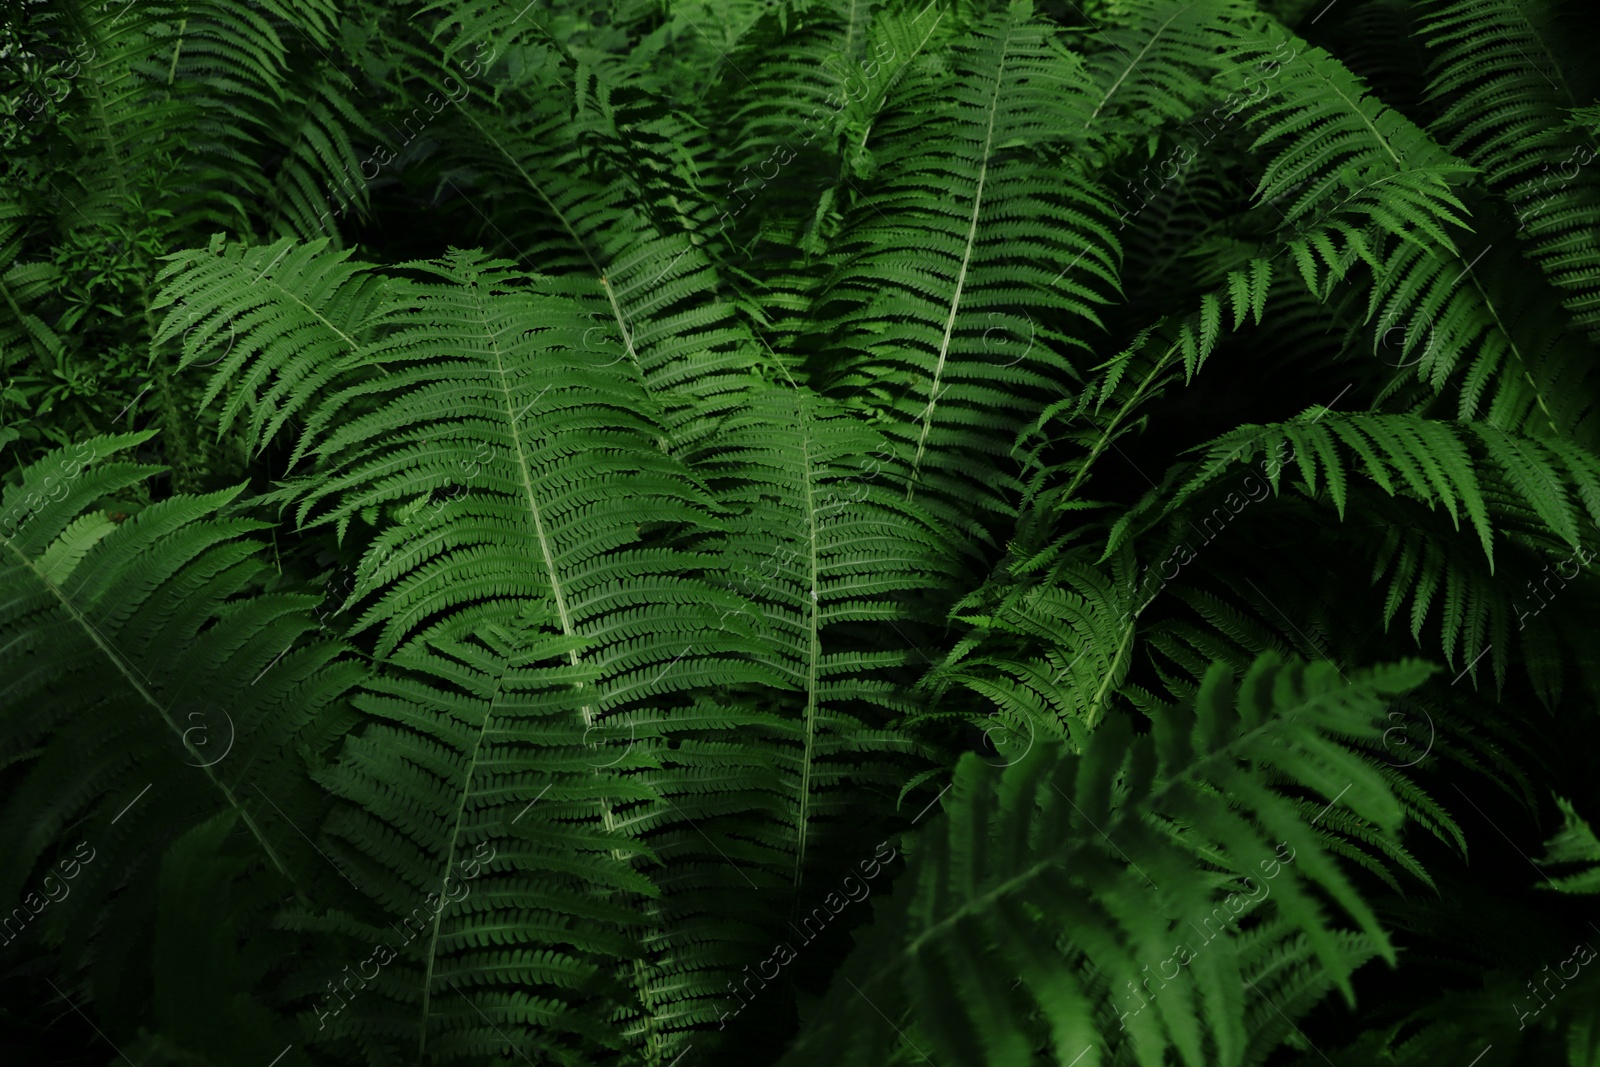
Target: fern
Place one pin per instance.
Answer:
(468, 847)
(912, 300)
(606, 477)
(1028, 858)
(127, 742)
(1504, 93)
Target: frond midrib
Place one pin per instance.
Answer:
(961, 275)
(127, 670)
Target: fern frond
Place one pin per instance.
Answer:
(1050, 854)
(653, 294)
(1338, 149)
(1049, 659)
(321, 172)
(199, 81)
(1503, 96)
(965, 226)
(508, 467)
(1574, 844)
(288, 318)
(1475, 471)
(1162, 54)
(497, 899)
(1453, 467)
(149, 685)
(823, 549)
(1512, 348)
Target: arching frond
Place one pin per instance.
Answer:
(288, 319)
(496, 899)
(1060, 857)
(149, 685)
(1503, 96)
(926, 281)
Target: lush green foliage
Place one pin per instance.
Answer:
(799, 531)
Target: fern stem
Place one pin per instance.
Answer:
(578, 242)
(564, 616)
(177, 46)
(982, 904)
(444, 885)
(537, 188)
(961, 277)
(813, 661)
(1096, 705)
(622, 326)
(1104, 440)
(1134, 63)
(128, 671)
(1516, 350)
